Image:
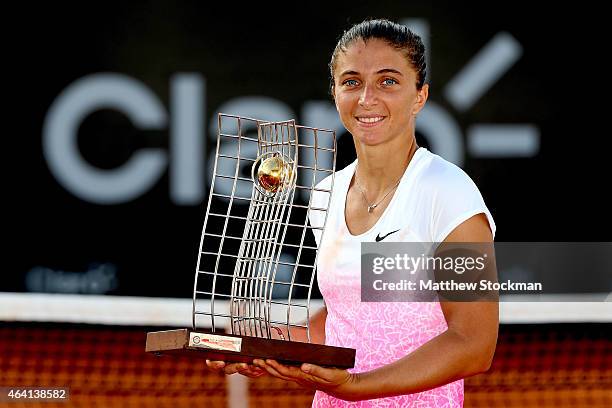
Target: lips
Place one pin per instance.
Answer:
(369, 121)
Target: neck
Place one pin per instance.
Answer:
(380, 167)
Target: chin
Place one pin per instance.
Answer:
(371, 139)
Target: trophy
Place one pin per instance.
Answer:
(257, 258)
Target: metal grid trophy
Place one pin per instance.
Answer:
(256, 264)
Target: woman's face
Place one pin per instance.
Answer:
(375, 92)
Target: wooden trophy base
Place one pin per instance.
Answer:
(243, 349)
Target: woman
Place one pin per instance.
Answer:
(408, 353)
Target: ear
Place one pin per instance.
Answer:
(421, 98)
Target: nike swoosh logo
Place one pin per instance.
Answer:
(379, 238)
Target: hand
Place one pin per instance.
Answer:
(333, 381)
(232, 368)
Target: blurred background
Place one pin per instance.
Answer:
(111, 135)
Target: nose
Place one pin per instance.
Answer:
(368, 97)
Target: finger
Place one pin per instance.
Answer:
(253, 374)
(288, 371)
(252, 371)
(270, 370)
(318, 372)
(234, 368)
(302, 378)
(296, 375)
(215, 365)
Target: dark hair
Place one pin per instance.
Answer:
(396, 35)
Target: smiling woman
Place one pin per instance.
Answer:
(409, 354)
(374, 87)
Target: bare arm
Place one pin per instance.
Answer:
(465, 349)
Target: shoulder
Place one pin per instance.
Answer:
(331, 182)
(325, 198)
(326, 189)
(442, 177)
(338, 176)
(449, 195)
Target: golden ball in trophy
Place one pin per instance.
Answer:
(273, 174)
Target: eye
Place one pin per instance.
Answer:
(389, 81)
(350, 82)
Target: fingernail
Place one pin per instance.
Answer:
(306, 367)
(243, 366)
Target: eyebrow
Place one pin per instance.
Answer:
(382, 71)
